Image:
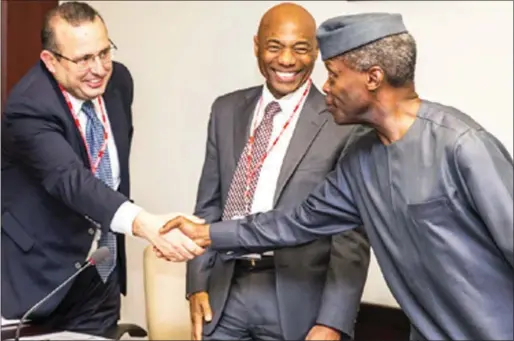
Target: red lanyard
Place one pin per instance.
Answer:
(101, 152)
(251, 173)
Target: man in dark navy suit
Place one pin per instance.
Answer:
(66, 137)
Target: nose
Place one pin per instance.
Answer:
(98, 67)
(286, 58)
(326, 87)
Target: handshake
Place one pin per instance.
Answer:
(175, 237)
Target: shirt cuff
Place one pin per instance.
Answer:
(124, 217)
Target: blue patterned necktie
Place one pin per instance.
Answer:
(95, 140)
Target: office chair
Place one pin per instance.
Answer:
(133, 330)
(167, 310)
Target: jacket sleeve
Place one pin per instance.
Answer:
(486, 172)
(347, 273)
(208, 206)
(330, 209)
(346, 276)
(35, 138)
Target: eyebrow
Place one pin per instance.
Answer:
(276, 41)
(92, 54)
(331, 69)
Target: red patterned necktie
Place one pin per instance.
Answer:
(236, 205)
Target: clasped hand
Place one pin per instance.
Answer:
(184, 232)
(168, 241)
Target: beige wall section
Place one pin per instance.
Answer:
(184, 54)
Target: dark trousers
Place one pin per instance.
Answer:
(251, 311)
(90, 306)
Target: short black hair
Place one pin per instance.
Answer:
(73, 12)
(395, 54)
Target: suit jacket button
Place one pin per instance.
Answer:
(91, 231)
(77, 265)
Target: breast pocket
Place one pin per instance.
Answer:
(436, 233)
(435, 210)
(433, 221)
(431, 236)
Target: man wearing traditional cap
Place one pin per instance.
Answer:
(432, 187)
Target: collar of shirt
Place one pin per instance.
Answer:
(76, 104)
(287, 103)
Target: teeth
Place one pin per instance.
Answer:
(285, 75)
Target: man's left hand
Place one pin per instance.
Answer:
(319, 332)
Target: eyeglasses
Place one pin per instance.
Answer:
(85, 62)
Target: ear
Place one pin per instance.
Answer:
(48, 58)
(375, 78)
(255, 46)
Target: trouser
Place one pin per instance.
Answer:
(251, 311)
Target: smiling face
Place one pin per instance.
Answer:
(89, 42)
(286, 48)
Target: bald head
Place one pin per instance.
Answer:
(287, 13)
(286, 47)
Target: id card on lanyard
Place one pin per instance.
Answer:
(94, 163)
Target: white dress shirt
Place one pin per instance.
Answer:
(127, 212)
(267, 183)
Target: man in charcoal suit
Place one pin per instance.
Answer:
(311, 291)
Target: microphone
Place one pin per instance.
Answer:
(97, 257)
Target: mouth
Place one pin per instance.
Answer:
(94, 83)
(286, 77)
(331, 109)
(330, 105)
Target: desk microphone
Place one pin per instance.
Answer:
(98, 256)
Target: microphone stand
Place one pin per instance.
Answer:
(37, 305)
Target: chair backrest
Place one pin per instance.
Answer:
(167, 310)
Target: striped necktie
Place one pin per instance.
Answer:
(235, 204)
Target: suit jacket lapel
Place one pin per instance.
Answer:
(115, 112)
(242, 121)
(68, 116)
(307, 128)
(116, 115)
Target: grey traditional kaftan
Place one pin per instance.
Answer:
(437, 207)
